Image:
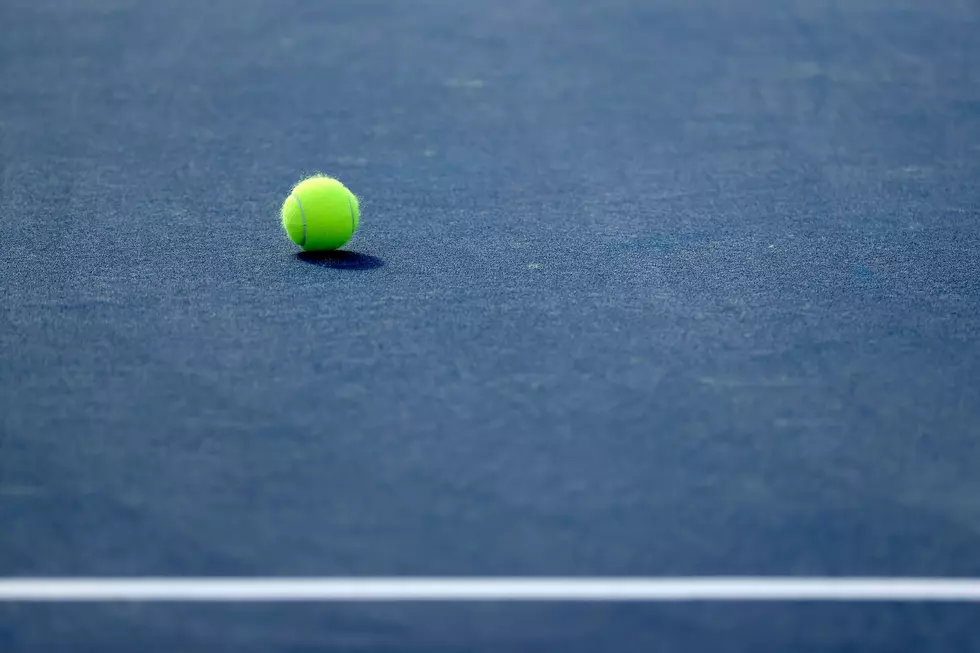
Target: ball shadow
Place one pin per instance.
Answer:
(341, 259)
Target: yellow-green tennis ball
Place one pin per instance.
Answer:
(320, 214)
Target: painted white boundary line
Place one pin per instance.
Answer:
(489, 589)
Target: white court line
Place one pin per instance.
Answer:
(489, 589)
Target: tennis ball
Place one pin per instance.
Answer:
(320, 214)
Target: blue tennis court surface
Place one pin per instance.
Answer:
(640, 289)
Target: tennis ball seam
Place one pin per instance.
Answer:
(302, 214)
(350, 205)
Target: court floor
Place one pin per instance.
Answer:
(659, 330)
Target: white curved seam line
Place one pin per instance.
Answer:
(350, 203)
(302, 214)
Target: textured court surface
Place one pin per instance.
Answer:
(641, 288)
